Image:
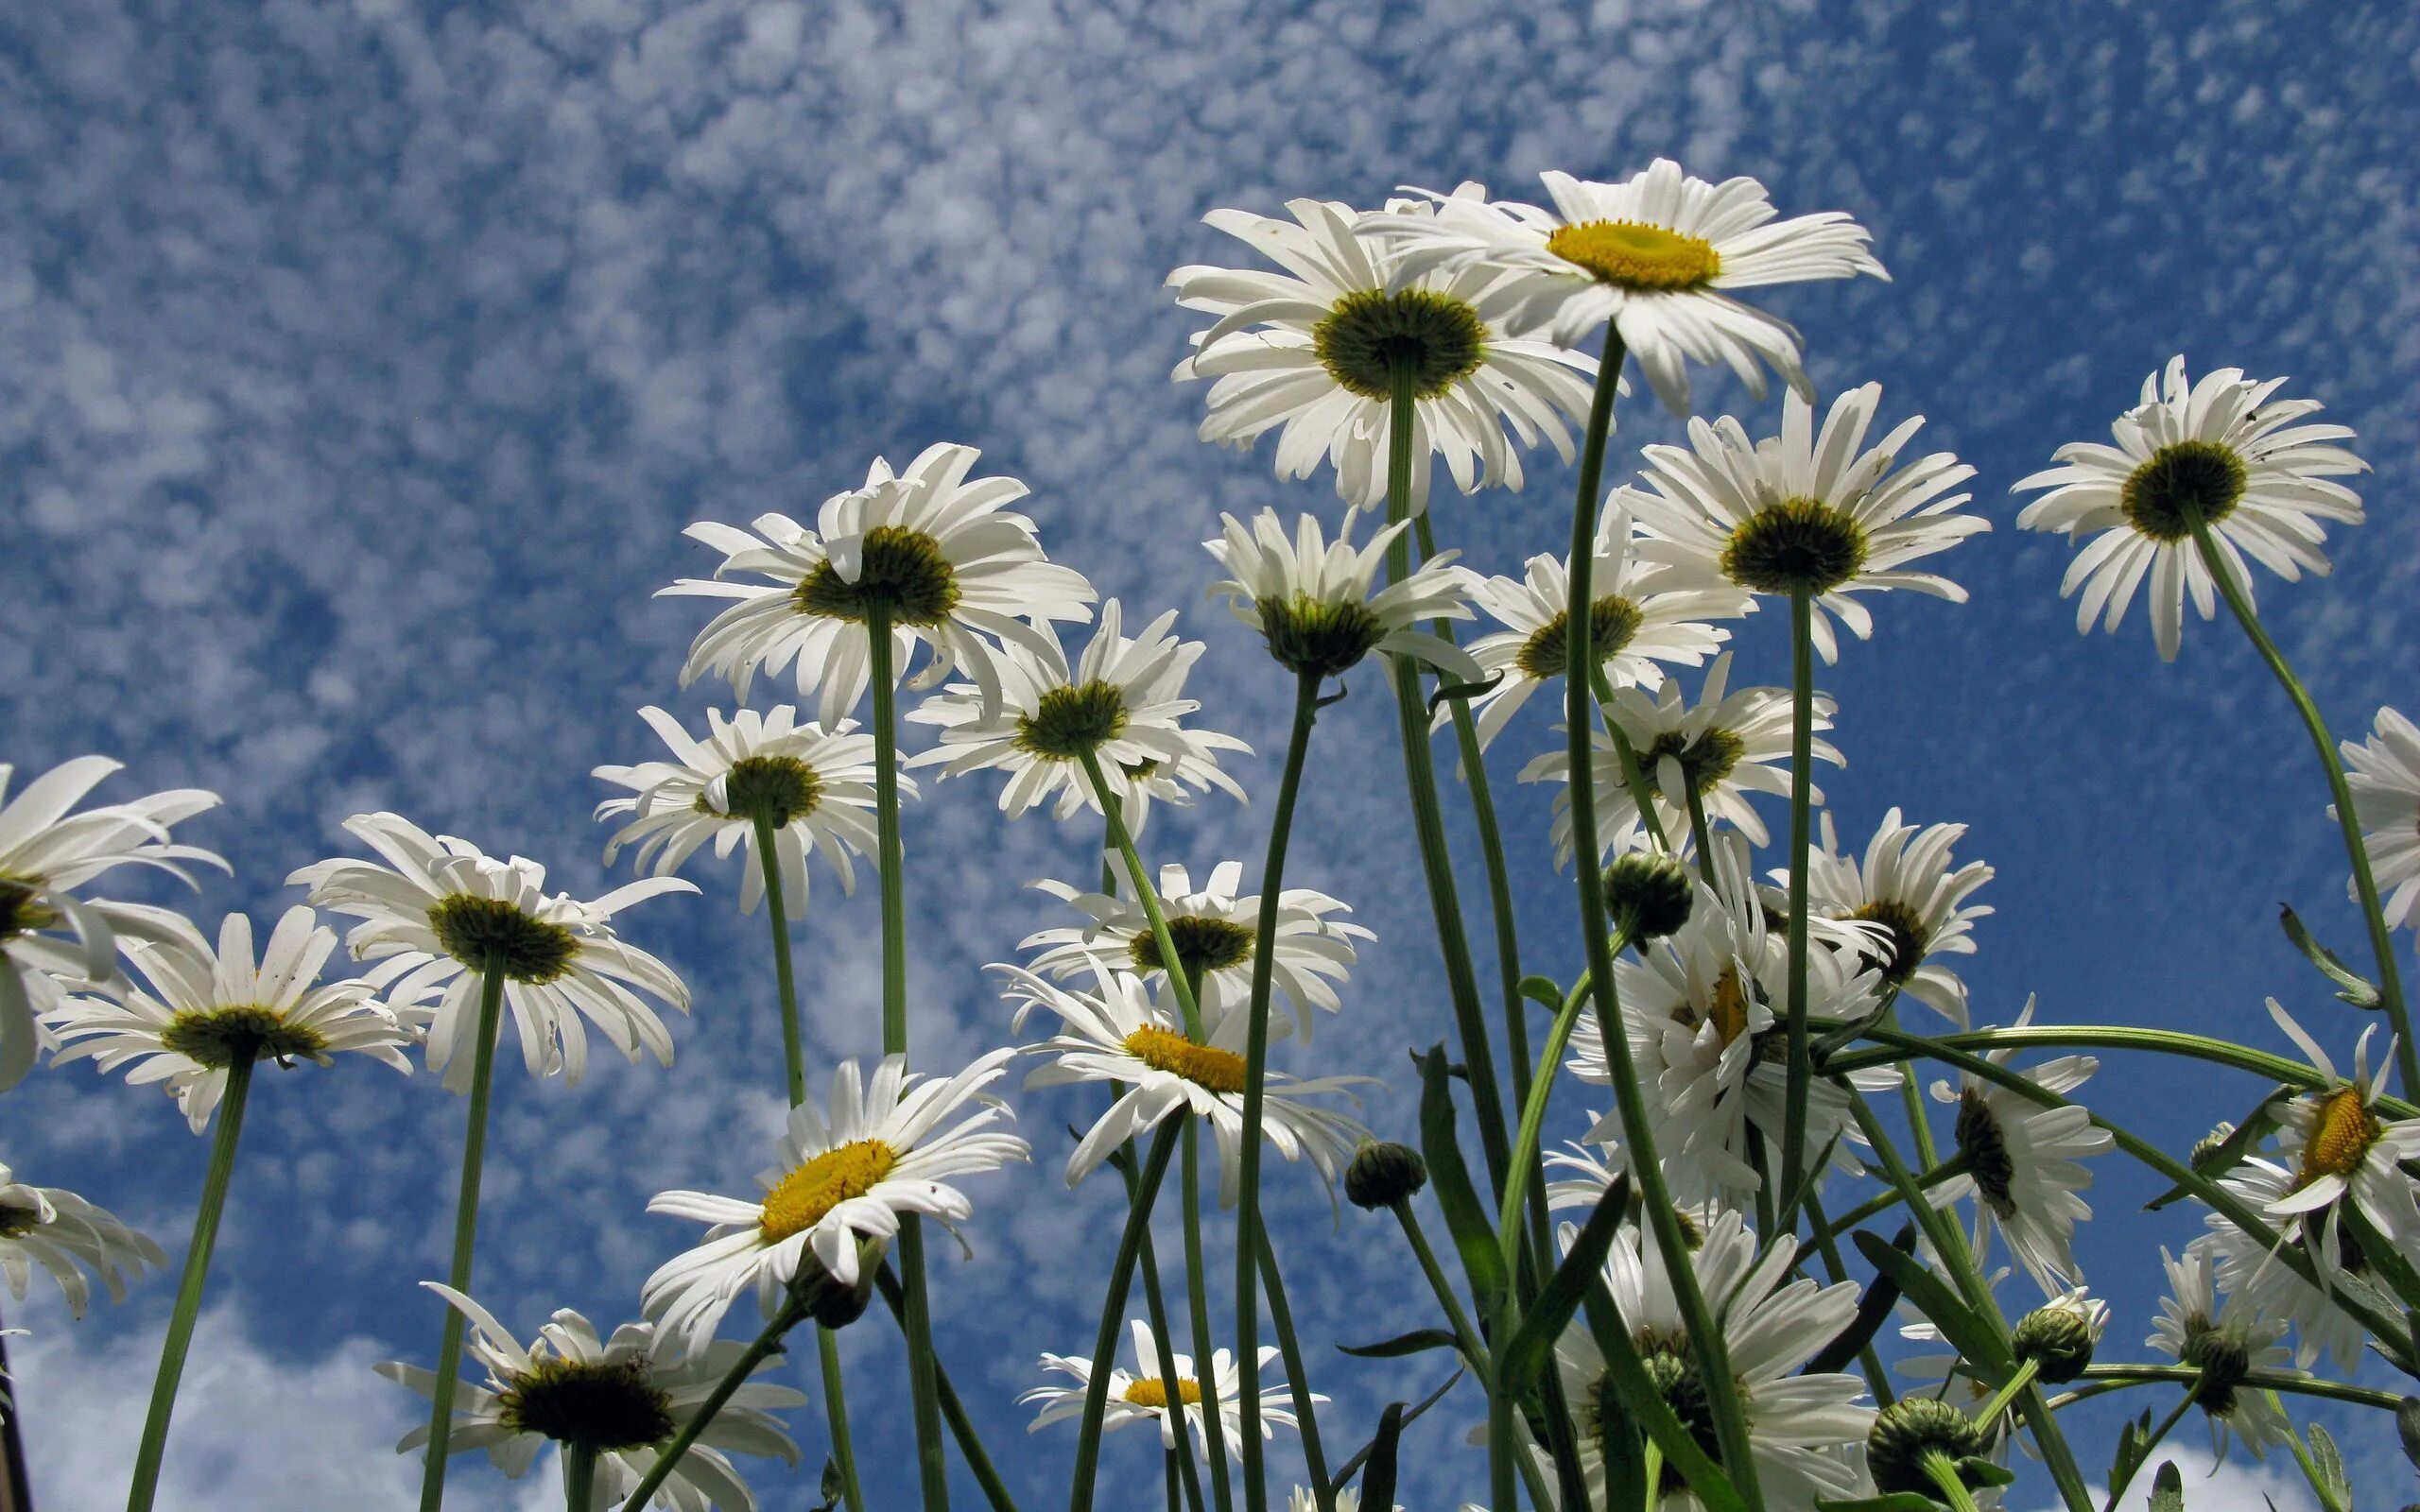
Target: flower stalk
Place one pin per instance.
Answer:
(466, 1222)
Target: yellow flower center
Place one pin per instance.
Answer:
(1221, 1071)
(1633, 255)
(1154, 1393)
(2342, 1134)
(1729, 1013)
(807, 1193)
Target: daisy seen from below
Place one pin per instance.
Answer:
(1657, 256)
(1809, 511)
(67, 1236)
(1907, 886)
(1310, 598)
(1216, 930)
(879, 1152)
(206, 1012)
(1119, 1032)
(438, 918)
(1646, 616)
(48, 853)
(611, 1401)
(1319, 348)
(936, 557)
(2225, 454)
(2384, 777)
(2225, 1342)
(2323, 1323)
(812, 787)
(1122, 703)
(2345, 1153)
(1798, 1424)
(1141, 1395)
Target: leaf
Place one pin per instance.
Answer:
(1543, 991)
(1638, 1391)
(1353, 1466)
(1966, 1333)
(1473, 1230)
(2231, 1150)
(1378, 1482)
(2354, 988)
(2407, 1427)
(1873, 1310)
(1619, 1440)
(2133, 1446)
(1460, 692)
(1532, 1347)
(1415, 1342)
(2327, 1469)
(1975, 1470)
(2168, 1488)
(1890, 1502)
(832, 1487)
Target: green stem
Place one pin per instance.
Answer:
(1947, 1170)
(180, 1322)
(1533, 1111)
(1502, 1449)
(836, 1417)
(1197, 1290)
(2322, 1485)
(793, 1053)
(1113, 1310)
(1297, 1379)
(2026, 1370)
(2159, 1435)
(1155, 1303)
(1944, 1471)
(1147, 893)
(1837, 1269)
(466, 1223)
(791, 1313)
(1633, 775)
(2116, 1377)
(579, 1476)
(953, 1413)
(1802, 780)
(2406, 1057)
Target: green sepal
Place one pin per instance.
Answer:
(2353, 988)
(1959, 1323)
(1519, 1361)
(1473, 1230)
(1416, 1342)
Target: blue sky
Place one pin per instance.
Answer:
(363, 362)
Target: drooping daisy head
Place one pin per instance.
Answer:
(47, 854)
(439, 918)
(1141, 1395)
(1916, 902)
(2323, 1322)
(2225, 1342)
(2384, 773)
(2225, 454)
(1310, 598)
(933, 554)
(207, 1011)
(1214, 928)
(1656, 256)
(1319, 349)
(67, 1236)
(1808, 509)
(612, 1397)
(1122, 703)
(842, 1175)
(2345, 1152)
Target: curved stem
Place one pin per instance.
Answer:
(1633, 775)
(1147, 895)
(1297, 1379)
(791, 1313)
(1196, 1289)
(1171, 1382)
(579, 1476)
(206, 1238)
(1533, 1112)
(466, 1223)
(1113, 1310)
(1944, 1471)
(2115, 1377)
(1802, 782)
(1947, 1170)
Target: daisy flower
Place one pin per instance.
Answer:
(2384, 773)
(2346, 1152)
(1906, 887)
(1119, 1033)
(1214, 928)
(2225, 1343)
(612, 1397)
(814, 786)
(1656, 256)
(879, 1153)
(1646, 616)
(47, 854)
(2024, 1161)
(1123, 703)
(2224, 451)
(1310, 598)
(66, 1235)
(1141, 1396)
(205, 1012)
(1315, 348)
(1797, 1423)
(2323, 1325)
(1723, 747)
(438, 917)
(934, 552)
(1808, 511)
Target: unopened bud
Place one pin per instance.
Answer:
(2059, 1337)
(1648, 894)
(1909, 1433)
(1384, 1175)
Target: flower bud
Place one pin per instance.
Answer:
(1648, 894)
(1384, 1175)
(2059, 1336)
(1911, 1430)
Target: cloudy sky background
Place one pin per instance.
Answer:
(363, 362)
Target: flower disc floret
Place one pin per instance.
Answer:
(1986, 1151)
(1798, 544)
(600, 1404)
(2183, 482)
(1221, 1071)
(1312, 637)
(1705, 761)
(1069, 723)
(1908, 938)
(1611, 621)
(2340, 1135)
(239, 1036)
(810, 1193)
(1154, 1392)
(1633, 255)
(777, 789)
(1434, 340)
(904, 573)
(490, 934)
(1203, 944)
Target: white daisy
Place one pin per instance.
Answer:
(879, 1153)
(66, 1235)
(46, 855)
(2024, 1161)
(1906, 887)
(1141, 1395)
(1646, 616)
(1723, 747)
(208, 1011)
(1656, 255)
(1123, 701)
(2323, 1324)
(1216, 929)
(935, 551)
(2221, 451)
(1117, 1033)
(440, 916)
(2225, 1342)
(1314, 349)
(612, 1397)
(814, 786)
(1310, 598)
(2346, 1152)
(1798, 1424)
(1807, 510)
(2384, 773)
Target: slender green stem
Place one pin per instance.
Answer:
(1113, 1310)
(1197, 1290)
(1168, 1467)
(1837, 1269)
(1947, 1170)
(1801, 779)
(960, 1427)
(1633, 775)
(836, 1417)
(1147, 893)
(466, 1223)
(2406, 1057)
(1297, 1379)
(579, 1476)
(1171, 1382)
(1533, 1111)
(1501, 1449)
(2100, 1379)
(2026, 1370)
(206, 1238)
(789, 1316)
(793, 1052)
(1944, 1471)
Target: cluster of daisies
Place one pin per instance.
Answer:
(1740, 1043)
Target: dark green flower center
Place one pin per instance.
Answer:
(2221, 1361)
(775, 788)
(901, 571)
(1682, 1389)
(600, 1406)
(1202, 943)
(1314, 638)
(1705, 761)
(15, 1222)
(1911, 1432)
(1369, 337)
(1068, 723)
(1986, 1150)
(20, 908)
(2180, 483)
(1611, 621)
(1906, 952)
(239, 1036)
(488, 933)
(1793, 544)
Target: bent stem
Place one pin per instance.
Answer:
(206, 1238)
(1113, 1310)
(466, 1222)
(1533, 1111)
(1802, 782)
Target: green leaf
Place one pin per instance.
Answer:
(832, 1487)
(1966, 1331)
(2354, 988)
(2407, 1427)
(2168, 1488)
(1415, 1342)
(1890, 1502)
(1532, 1348)
(1353, 1466)
(2133, 1446)
(1975, 1470)
(1619, 1438)
(1543, 991)
(1378, 1482)
(1473, 1229)
(1460, 692)
(2327, 1469)
(1873, 1310)
(2231, 1150)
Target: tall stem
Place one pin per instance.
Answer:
(1197, 1290)
(205, 1237)
(1147, 894)
(579, 1476)
(791, 1313)
(466, 1223)
(836, 1417)
(1533, 1111)
(1181, 1466)
(1297, 1379)
(1802, 782)
(1113, 1310)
